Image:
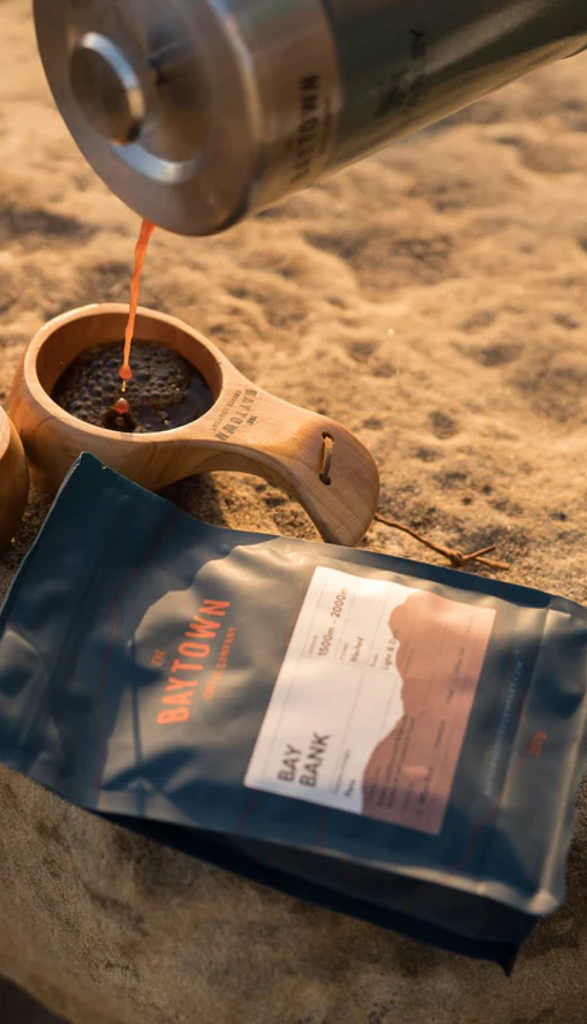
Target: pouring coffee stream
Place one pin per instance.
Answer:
(125, 372)
(119, 416)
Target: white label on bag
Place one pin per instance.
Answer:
(371, 706)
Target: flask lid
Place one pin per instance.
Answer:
(157, 97)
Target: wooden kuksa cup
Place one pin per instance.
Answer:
(14, 481)
(314, 459)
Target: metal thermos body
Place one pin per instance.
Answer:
(199, 113)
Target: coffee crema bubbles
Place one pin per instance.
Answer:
(165, 390)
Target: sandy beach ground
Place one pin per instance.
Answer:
(432, 298)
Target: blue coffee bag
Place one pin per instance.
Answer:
(394, 740)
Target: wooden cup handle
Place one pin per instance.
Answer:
(314, 459)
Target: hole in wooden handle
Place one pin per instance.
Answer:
(327, 455)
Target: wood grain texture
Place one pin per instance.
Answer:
(247, 429)
(14, 481)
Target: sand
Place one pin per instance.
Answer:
(434, 300)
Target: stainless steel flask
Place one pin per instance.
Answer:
(198, 113)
